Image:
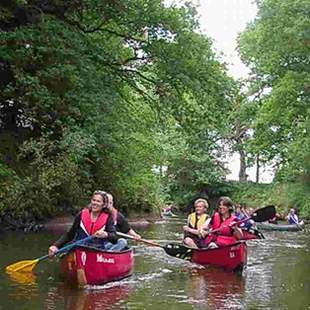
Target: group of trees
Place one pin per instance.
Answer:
(276, 48)
(106, 94)
(129, 97)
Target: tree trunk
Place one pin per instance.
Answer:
(242, 171)
(257, 168)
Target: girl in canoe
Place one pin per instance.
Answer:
(91, 221)
(227, 232)
(194, 222)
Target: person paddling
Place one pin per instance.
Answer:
(292, 217)
(121, 223)
(225, 223)
(91, 221)
(194, 222)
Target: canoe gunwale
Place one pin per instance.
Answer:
(95, 249)
(239, 247)
(222, 247)
(280, 227)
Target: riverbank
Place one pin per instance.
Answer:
(24, 223)
(60, 223)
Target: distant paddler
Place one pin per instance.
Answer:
(292, 218)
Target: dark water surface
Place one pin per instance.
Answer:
(277, 277)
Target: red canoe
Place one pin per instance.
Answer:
(250, 236)
(232, 258)
(87, 265)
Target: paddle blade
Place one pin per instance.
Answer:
(22, 266)
(178, 250)
(22, 278)
(264, 214)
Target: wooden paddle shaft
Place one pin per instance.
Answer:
(149, 242)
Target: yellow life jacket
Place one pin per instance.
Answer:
(194, 221)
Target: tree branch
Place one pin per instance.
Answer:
(140, 74)
(100, 28)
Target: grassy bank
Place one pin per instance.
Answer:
(282, 195)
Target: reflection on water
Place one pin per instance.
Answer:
(24, 285)
(84, 299)
(214, 288)
(277, 277)
(24, 279)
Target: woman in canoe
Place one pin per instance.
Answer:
(121, 223)
(91, 221)
(227, 232)
(194, 222)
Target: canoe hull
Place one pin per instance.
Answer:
(232, 258)
(90, 266)
(167, 214)
(280, 227)
(250, 236)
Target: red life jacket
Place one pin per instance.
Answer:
(216, 221)
(90, 227)
(224, 236)
(225, 229)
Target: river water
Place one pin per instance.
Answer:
(277, 277)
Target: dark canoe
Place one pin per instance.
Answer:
(232, 258)
(280, 227)
(87, 265)
(168, 214)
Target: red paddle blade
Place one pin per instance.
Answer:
(264, 214)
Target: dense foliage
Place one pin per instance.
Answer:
(128, 96)
(276, 47)
(106, 94)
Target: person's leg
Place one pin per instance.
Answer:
(108, 245)
(119, 246)
(190, 243)
(212, 245)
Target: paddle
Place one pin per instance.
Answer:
(28, 265)
(172, 249)
(149, 242)
(259, 215)
(297, 224)
(263, 214)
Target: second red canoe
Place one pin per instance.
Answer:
(232, 258)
